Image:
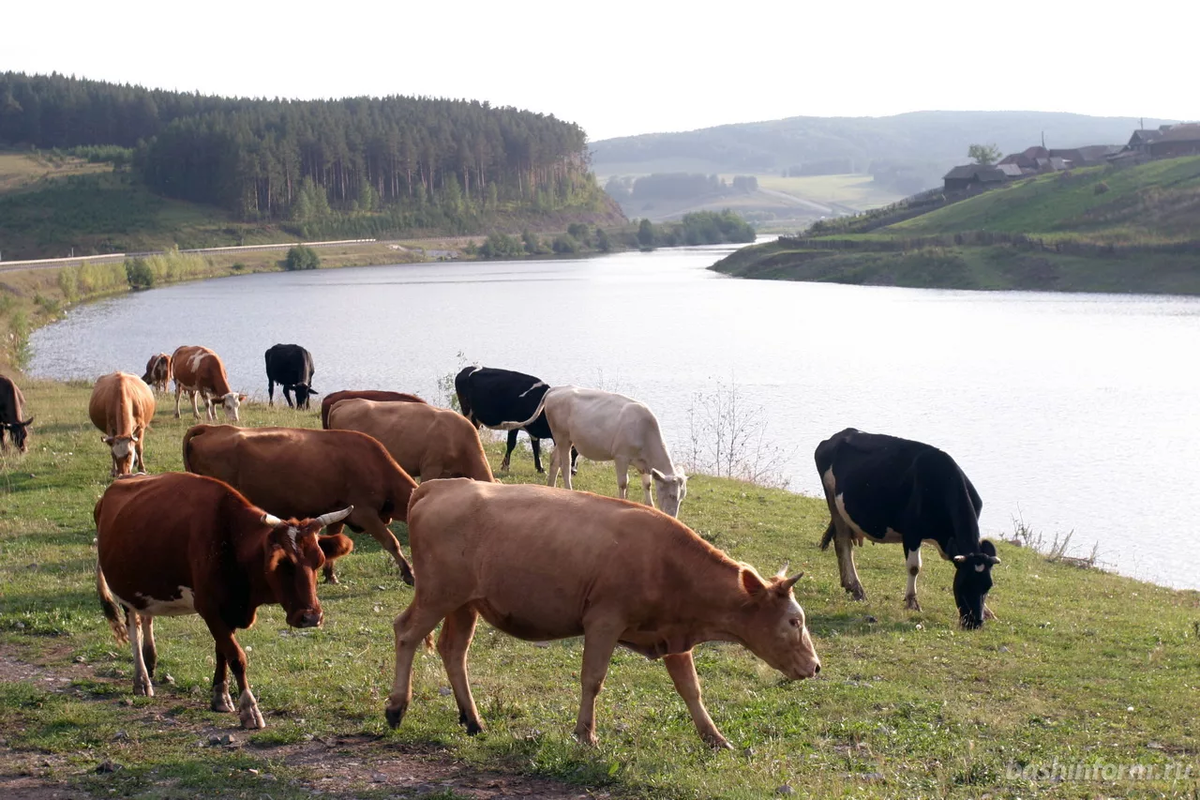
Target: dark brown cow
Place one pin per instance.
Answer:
(199, 371)
(122, 406)
(298, 472)
(158, 372)
(12, 408)
(377, 395)
(542, 564)
(427, 441)
(175, 544)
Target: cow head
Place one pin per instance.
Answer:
(124, 454)
(303, 392)
(294, 554)
(232, 402)
(972, 580)
(670, 491)
(775, 630)
(19, 432)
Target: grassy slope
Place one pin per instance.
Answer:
(859, 192)
(1155, 202)
(1083, 666)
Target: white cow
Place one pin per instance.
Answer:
(605, 426)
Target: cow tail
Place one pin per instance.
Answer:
(509, 426)
(187, 440)
(112, 612)
(828, 537)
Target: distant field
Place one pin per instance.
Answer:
(22, 170)
(856, 191)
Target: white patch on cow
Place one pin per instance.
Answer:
(914, 569)
(840, 502)
(184, 604)
(121, 447)
(794, 608)
(531, 388)
(196, 360)
(980, 567)
(828, 481)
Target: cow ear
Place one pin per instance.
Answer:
(658, 475)
(335, 546)
(989, 549)
(752, 583)
(241, 398)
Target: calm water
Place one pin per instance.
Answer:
(1075, 412)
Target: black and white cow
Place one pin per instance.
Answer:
(291, 366)
(12, 408)
(893, 490)
(492, 397)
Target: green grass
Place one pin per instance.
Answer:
(854, 191)
(1083, 666)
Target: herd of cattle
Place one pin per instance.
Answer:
(258, 511)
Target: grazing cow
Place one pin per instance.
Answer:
(895, 490)
(378, 396)
(291, 366)
(123, 406)
(158, 372)
(199, 370)
(605, 426)
(427, 441)
(12, 408)
(298, 472)
(492, 397)
(540, 564)
(175, 544)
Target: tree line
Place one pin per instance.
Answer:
(275, 159)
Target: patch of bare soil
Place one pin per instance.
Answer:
(335, 767)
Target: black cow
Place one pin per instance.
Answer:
(12, 408)
(291, 366)
(492, 397)
(895, 490)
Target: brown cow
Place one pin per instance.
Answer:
(176, 544)
(365, 394)
(299, 472)
(12, 408)
(199, 370)
(158, 372)
(427, 441)
(122, 406)
(542, 564)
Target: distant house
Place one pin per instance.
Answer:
(1010, 171)
(973, 176)
(1086, 156)
(1175, 141)
(1027, 160)
(1141, 139)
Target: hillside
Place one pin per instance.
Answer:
(1134, 229)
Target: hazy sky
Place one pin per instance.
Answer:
(619, 67)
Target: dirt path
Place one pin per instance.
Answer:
(334, 767)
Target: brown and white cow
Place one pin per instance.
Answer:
(122, 406)
(543, 564)
(12, 408)
(377, 395)
(158, 372)
(199, 371)
(175, 544)
(427, 441)
(299, 472)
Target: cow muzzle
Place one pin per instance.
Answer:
(306, 619)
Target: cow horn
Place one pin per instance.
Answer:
(783, 570)
(271, 519)
(26, 422)
(790, 582)
(959, 559)
(335, 516)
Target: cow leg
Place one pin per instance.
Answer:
(622, 467)
(563, 463)
(411, 627)
(646, 481)
(552, 470)
(139, 448)
(987, 613)
(271, 392)
(843, 546)
(222, 703)
(913, 559)
(235, 657)
(141, 678)
(287, 395)
(196, 408)
(682, 670)
(149, 652)
(598, 646)
(574, 459)
(535, 445)
(178, 392)
(380, 533)
(455, 639)
(512, 443)
(332, 530)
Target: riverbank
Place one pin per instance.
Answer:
(1084, 670)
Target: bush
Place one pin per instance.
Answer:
(302, 257)
(565, 245)
(1101, 188)
(501, 245)
(138, 273)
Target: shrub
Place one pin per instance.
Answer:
(138, 273)
(565, 245)
(1101, 188)
(302, 257)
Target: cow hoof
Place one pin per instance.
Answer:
(911, 603)
(586, 738)
(717, 742)
(252, 720)
(541, 471)
(331, 578)
(222, 704)
(394, 717)
(857, 593)
(474, 729)
(406, 576)
(143, 688)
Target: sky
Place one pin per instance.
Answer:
(622, 68)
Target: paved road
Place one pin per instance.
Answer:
(48, 263)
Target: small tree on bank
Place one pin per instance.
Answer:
(984, 154)
(302, 257)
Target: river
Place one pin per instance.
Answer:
(1072, 412)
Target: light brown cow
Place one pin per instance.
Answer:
(122, 406)
(300, 472)
(175, 544)
(542, 564)
(199, 370)
(366, 394)
(158, 372)
(427, 441)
